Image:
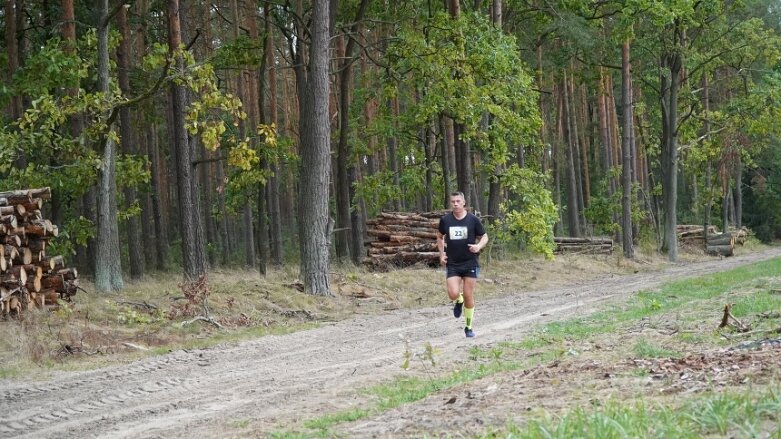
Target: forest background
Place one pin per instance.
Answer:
(260, 133)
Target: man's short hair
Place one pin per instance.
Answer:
(457, 194)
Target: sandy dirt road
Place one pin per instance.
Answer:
(276, 381)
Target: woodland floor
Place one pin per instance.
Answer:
(277, 382)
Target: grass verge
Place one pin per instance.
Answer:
(735, 414)
(689, 303)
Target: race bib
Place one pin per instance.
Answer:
(457, 233)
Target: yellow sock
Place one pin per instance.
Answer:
(460, 299)
(469, 313)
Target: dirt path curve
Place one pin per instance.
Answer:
(278, 380)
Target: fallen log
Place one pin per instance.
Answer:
(398, 237)
(53, 281)
(17, 196)
(597, 245)
(69, 274)
(573, 240)
(721, 239)
(374, 248)
(720, 250)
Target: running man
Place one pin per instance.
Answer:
(461, 237)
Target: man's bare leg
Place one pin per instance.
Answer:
(469, 304)
(454, 287)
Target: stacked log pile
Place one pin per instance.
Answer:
(403, 239)
(741, 234)
(718, 244)
(28, 277)
(595, 245)
(694, 235)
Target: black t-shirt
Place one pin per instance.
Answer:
(458, 235)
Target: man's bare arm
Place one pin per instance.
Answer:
(441, 248)
(481, 243)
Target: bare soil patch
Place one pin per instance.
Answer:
(255, 387)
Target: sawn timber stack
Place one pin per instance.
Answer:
(28, 277)
(402, 239)
(593, 245)
(718, 244)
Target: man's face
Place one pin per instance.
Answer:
(457, 203)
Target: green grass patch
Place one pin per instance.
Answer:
(645, 349)
(324, 423)
(692, 338)
(756, 303)
(672, 296)
(751, 413)
(289, 435)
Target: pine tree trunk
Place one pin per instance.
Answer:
(572, 181)
(315, 224)
(342, 157)
(86, 263)
(275, 218)
(392, 156)
(244, 93)
(626, 147)
(494, 185)
(194, 145)
(557, 159)
(128, 136)
(708, 202)
(193, 264)
(738, 193)
(446, 169)
(585, 145)
(12, 17)
(671, 68)
(223, 225)
(142, 139)
(575, 144)
(256, 97)
(161, 235)
(108, 266)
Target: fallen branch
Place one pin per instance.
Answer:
(144, 305)
(758, 331)
(203, 319)
(135, 346)
(725, 320)
(297, 312)
(725, 317)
